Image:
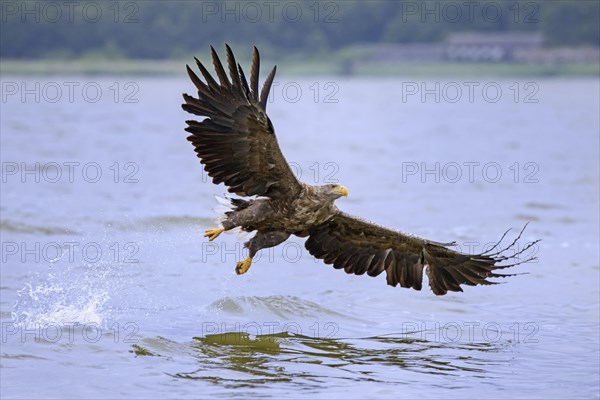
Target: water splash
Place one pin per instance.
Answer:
(75, 295)
(48, 303)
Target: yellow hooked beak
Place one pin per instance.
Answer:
(341, 190)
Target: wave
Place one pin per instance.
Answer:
(9, 226)
(281, 306)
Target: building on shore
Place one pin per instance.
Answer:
(517, 47)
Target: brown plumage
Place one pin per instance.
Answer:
(237, 145)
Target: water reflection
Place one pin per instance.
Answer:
(235, 358)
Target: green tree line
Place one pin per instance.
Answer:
(167, 29)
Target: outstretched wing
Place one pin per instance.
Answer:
(236, 142)
(361, 247)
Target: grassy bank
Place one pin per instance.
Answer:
(299, 68)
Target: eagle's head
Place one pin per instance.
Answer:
(333, 191)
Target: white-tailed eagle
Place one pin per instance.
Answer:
(237, 145)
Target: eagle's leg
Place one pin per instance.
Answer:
(242, 266)
(213, 233)
(262, 240)
(244, 213)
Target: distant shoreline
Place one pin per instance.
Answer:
(302, 68)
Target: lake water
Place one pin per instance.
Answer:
(109, 289)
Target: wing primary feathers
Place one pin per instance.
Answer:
(503, 257)
(264, 93)
(212, 84)
(489, 252)
(233, 73)
(219, 69)
(499, 241)
(197, 82)
(255, 69)
(244, 82)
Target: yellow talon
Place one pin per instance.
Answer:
(212, 234)
(242, 266)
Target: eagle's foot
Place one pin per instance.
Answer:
(213, 233)
(242, 266)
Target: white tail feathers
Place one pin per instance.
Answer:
(224, 205)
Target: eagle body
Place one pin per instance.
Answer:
(237, 146)
(312, 206)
